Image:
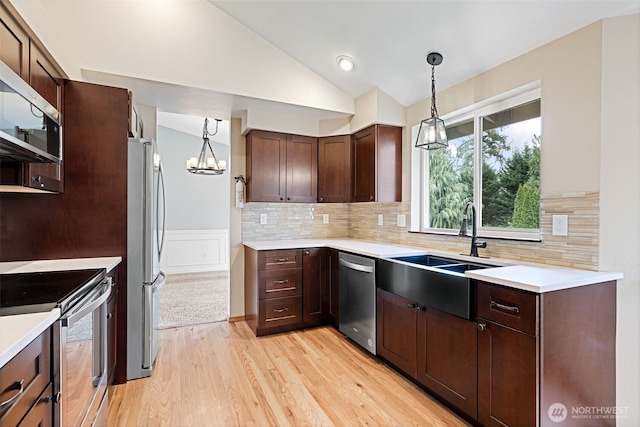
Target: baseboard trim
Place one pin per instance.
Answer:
(235, 319)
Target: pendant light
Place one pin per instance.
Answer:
(432, 134)
(203, 164)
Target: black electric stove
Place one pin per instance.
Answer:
(22, 293)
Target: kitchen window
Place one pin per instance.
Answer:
(493, 160)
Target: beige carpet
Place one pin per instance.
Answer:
(193, 298)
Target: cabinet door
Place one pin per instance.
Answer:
(396, 334)
(334, 169)
(44, 77)
(314, 284)
(333, 287)
(14, 43)
(507, 376)
(447, 358)
(40, 414)
(363, 169)
(302, 169)
(266, 166)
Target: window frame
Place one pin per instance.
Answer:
(420, 162)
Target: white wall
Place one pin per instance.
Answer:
(194, 202)
(620, 196)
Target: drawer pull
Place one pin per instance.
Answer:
(18, 385)
(280, 282)
(280, 310)
(509, 308)
(281, 260)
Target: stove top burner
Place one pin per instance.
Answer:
(22, 293)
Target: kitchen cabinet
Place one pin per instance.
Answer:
(29, 370)
(333, 287)
(376, 164)
(334, 169)
(281, 167)
(314, 285)
(285, 289)
(435, 348)
(22, 51)
(538, 350)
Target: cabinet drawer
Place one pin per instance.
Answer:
(509, 307)
(32, 369)
(280, 312)
(279, 260)
(280, 283)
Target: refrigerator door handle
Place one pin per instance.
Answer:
(164, 211)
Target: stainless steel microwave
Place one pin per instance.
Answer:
(30, 127)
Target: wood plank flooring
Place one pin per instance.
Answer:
(220, 374)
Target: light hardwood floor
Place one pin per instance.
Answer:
(220, 374)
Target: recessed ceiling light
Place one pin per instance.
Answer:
(346, 63)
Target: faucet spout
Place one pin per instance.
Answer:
(475, 244)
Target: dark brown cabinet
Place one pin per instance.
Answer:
(285, 289)
(21, 51)
(433, 347)
(333, 287)
(27, 378)
(334, 169)
(314, 285)
(447, 358)
(376, 164)
(397, 319)
(537, 350)
(281, 167)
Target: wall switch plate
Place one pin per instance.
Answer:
(380, 219)
(560, 225)
(402, 220)
(263, 218)
(325, 218)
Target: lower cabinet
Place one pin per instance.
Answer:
(25, 385)
(285, 289)
(333, 287)
(435, 348)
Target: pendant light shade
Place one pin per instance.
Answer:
(205, 164)
(432, 133)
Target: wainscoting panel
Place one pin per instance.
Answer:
(192, 251)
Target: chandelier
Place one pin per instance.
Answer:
(205, 164)
(432, 134)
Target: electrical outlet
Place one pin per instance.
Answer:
(263, 218)
(402, 220)
(380, 219)
(325, 218)
(560, 225)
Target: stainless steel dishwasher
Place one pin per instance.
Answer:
(358, 299)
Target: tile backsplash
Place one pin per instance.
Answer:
(360, 220)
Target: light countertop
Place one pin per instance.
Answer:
(534, 278)
(17, 331)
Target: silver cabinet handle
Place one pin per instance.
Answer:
(280, 282)
(18, 385)
(411, 306)
(482, 326)
(280, 310)
(281, 260)
(509, 308)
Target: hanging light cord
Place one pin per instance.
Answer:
(434, 111)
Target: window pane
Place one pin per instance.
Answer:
(511, 167)
(451, 177)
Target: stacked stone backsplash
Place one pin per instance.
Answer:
(360, 221)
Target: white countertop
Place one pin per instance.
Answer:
(19, 330)
(541, 279)
(535, 278)
(108, 263)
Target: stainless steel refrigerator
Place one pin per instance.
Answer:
(145, 241)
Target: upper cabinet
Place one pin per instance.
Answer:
(376, 164)
(14, 43)
(334, 169)
(281, 167)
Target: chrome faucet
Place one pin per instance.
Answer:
(475, 243)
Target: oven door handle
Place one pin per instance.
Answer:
(96, 297)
